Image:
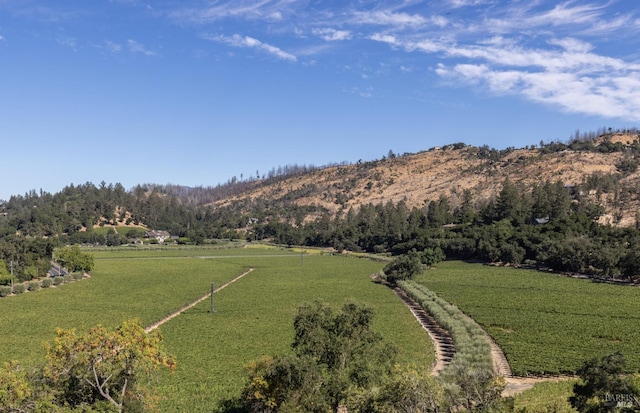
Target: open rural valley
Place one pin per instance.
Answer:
(253, 316)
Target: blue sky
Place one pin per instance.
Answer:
(193, 92)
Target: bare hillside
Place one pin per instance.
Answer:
(450, 170)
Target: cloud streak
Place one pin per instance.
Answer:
(332, 35)
(249, 42)
(268, 10)
(570, 76)
(138, 48)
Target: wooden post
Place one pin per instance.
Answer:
(213, 310)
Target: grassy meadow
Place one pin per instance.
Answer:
(253, 316)
(545, 323)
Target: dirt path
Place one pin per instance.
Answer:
(192, 304)
(442, 341)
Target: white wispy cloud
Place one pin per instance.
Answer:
(466, 3)
(363, 93)
(41, 12)
(574, 80)
(332, 34)
(425, 45)
(543, 51)
(525, 16)
(388, 18)
(270, 10)
(67, 41)
(135, 47)
(113, 47)
(245, 41)
(525, 50)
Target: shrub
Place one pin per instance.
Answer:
(67, 278)
(58, 280)
(19, 288)
(5, 290)
(34, 285)
(403, 267)
(47, 282)
(627, 165)
(77, 275)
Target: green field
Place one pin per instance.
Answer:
(545, 323)
(549, 396)
(254, 315)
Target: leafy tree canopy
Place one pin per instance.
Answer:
(73, 259)
(334, 355)
(105, 365)
(604, 388)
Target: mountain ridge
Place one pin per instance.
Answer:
(450, 170)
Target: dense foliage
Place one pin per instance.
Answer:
(604, 388)
(334, 356)
(339, 361)
(100, 371)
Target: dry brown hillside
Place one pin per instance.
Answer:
(425, 176)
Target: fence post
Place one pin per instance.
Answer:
(213, 310)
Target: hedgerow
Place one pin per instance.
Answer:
(473, 350)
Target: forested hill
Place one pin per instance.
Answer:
(570, 206)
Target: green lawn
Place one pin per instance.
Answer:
(545, 323)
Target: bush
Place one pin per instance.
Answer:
(47, 282)
(19, 288)
(431, 256)
(58, 280)
(403, 267)
(603, 386)
(34, 285)
(627, 165)
(67, 278)
(5, 290)
(77, 275)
